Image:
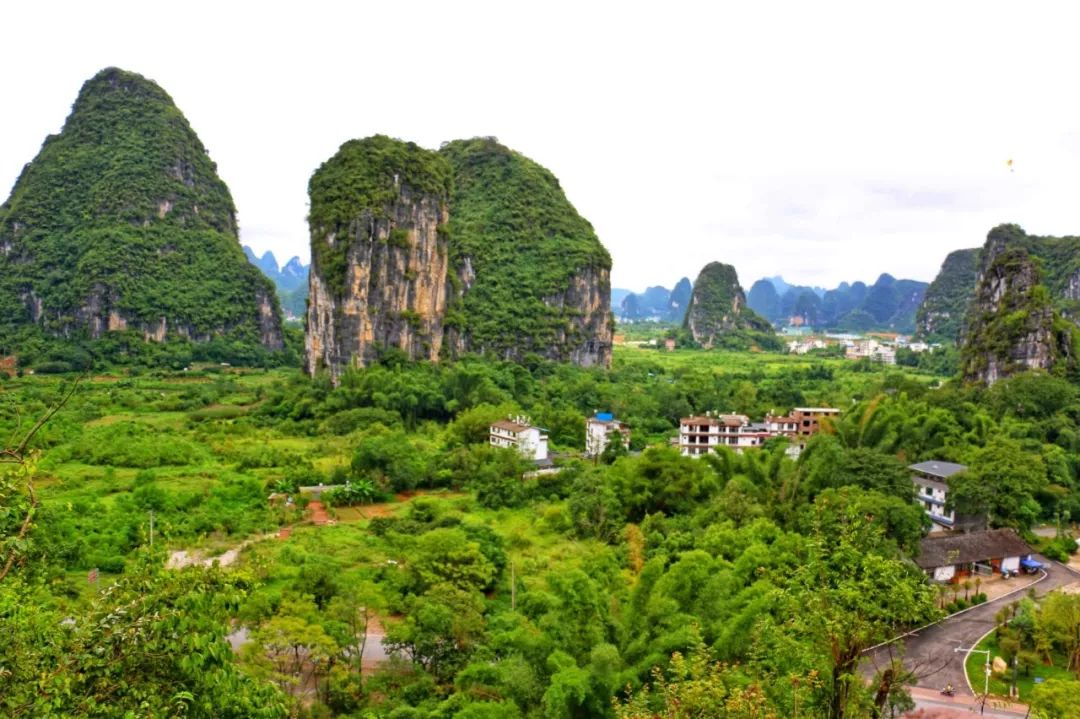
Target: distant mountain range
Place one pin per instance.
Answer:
(888, 304)
(656, 304)
(291, 280)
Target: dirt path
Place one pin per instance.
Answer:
(183, 558)
(318, 513)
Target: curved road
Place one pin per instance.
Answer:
(929, 651)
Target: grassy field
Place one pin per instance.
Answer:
(999, 686)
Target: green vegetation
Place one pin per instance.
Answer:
(363, 180)
(941, 314)
(944, 311)
(718, 315)
(512, 225)
(735, 585)
(1040, 644)
(1012, 323)
(121, 219)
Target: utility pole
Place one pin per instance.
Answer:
(513, 588)
(151, 529)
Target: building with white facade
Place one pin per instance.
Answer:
(932, 489)
(872, 349)
(600, 430)
(702, 435)
(518, 433)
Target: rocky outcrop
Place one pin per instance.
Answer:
(501, 266)
(1011, 324)
(396, 287)
(718, 307)
(121, 224)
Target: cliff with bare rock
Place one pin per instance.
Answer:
(1012, 324)
(473, 248)
(120, 231)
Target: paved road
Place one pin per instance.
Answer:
(930, 704)
(929, 652)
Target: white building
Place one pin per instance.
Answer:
(600, 430)
(702, 435)
(518, 433)
(872, 349)
(932, 489)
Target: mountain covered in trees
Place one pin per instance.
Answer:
(950, 297)
(290, 279)
(718, 315)
(655, 304)
(120, 232)
(888, 304)
(1013, 323)
(941, 314)
(470, 249)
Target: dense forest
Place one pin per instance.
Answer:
(120, 231)
(628, 586)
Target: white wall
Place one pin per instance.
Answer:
(944, 574)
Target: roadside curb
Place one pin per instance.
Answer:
(967, 655)
(957, 614)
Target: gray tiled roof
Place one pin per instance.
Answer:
(941, 551)
(936, 468)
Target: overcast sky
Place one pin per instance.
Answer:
(820, 141)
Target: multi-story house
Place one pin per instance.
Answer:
(932, 489)
(602, 429)
(518, 433)
(702, 435)
(809, 419)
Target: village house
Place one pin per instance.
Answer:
(932, 489)
(699, 436)
(801, 347)
(776, 426)
(809, 419)
(703, 434)
(518, 433)
(954, 557)
(601, 429)
(872, 349)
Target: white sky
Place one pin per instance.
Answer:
(820, 141)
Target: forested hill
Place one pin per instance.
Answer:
(1012, 326)
(949, 297)
(120, 231)
(473, 248)
(718, 315)
(888, 304)
(941, 315)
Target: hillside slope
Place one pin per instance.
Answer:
(122, 225)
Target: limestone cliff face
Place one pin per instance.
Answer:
(587, 337)
(396, 286)
(472, 249)
(718, 306)
(1012, 325)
